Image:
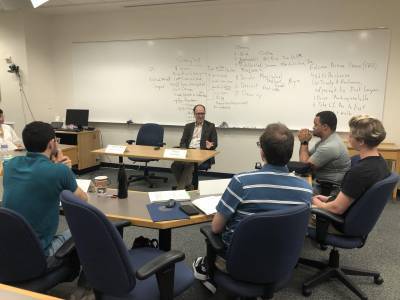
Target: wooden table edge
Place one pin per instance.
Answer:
(31, 294)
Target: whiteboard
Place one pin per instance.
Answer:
(244, 81)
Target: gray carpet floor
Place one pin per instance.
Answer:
(381, 252)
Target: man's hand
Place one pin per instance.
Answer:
(318, 203)
(304, 135)
(209, 144)
(320, 198)
(62, 159)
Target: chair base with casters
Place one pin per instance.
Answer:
(331, 270)
(147, 176)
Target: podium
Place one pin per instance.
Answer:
(85, 141)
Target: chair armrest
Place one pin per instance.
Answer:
(327, 182)
(214, 239)
(65, 249)
(327, 215)
(324, 219)
(130, 142)
(302, 168)
(160, 263)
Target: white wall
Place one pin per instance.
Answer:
(12, 43)
(38, 38)
(238, 150)
(25, 37)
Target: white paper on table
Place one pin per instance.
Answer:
(178, 195)
(84, 184)
(115, 149)
(212, 187)
(175, 153)
(207, 205)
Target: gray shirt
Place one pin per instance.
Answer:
(331, 159)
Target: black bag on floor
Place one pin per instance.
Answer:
(142, 241)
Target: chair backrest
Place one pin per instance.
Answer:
(363, 214)
(21, 254)
(101, 251)
(150, 134)
(205, 166)
(265, 246)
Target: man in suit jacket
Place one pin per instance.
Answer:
(200, 134)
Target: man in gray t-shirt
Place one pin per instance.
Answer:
(329, 157)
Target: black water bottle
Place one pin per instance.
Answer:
(122, 183)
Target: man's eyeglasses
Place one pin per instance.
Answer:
(258, 144)
(200, 114)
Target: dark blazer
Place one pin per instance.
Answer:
(208, 133)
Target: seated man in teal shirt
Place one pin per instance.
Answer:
(33, 183)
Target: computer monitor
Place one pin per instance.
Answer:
(77, 117)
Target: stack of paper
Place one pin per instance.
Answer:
(167, 195)
(84, 184)
(213, 187)
(208, 204)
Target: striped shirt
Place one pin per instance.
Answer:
(270, 188)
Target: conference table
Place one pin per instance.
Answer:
(134, 210)
(196, 156)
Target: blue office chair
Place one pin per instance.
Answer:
(355, 224)
(264, 250)
(149, 134)
(111, 269)
(23, 262)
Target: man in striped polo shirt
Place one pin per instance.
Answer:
(270, 188)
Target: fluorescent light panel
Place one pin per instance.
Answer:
(37, 3)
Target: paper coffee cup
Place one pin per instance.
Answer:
(101, 184)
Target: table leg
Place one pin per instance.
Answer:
(164, 238)
(196, 176)
(120, 159)
(397, 168)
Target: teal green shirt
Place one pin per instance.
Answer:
(32, 186)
